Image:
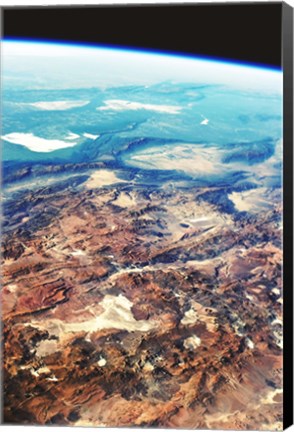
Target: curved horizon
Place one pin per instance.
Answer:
(146, 51)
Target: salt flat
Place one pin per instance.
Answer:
(103, 178)
(36, 143)
(58, 105)
(191, 158)
(124, 105)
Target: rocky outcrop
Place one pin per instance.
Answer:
(133, 306)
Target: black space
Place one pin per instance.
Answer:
(242, 32)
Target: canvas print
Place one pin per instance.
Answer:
(142, 237)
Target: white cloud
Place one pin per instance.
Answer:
(123, 105)
(58, 105)
(35, 143)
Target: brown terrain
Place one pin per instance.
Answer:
(129, 305)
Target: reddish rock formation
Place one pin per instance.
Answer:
(140, 307)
